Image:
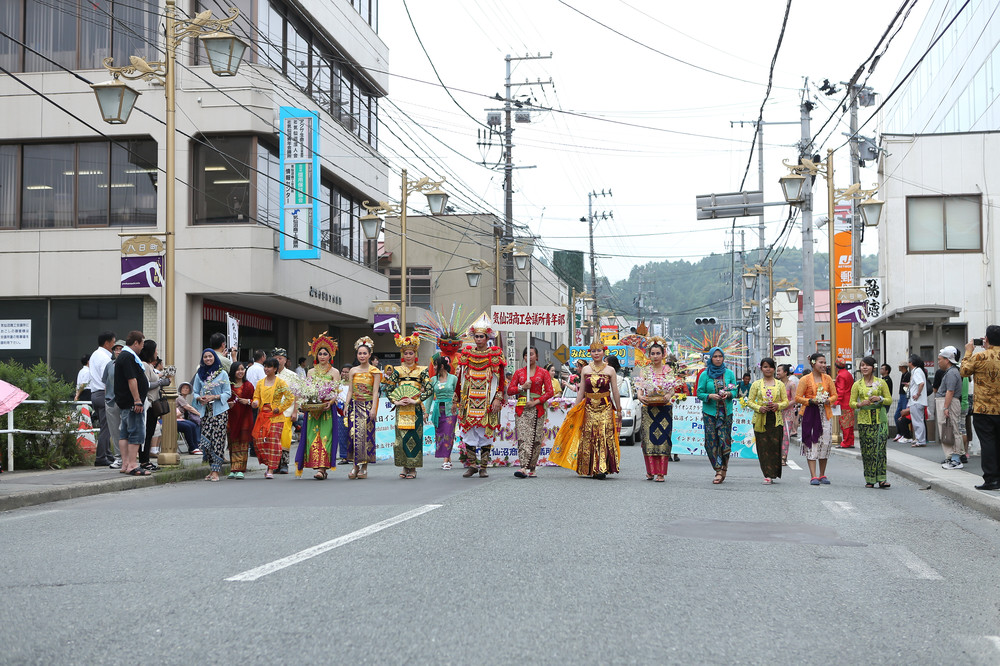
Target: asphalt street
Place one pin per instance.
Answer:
(558, 569)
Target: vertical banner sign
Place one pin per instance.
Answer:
(232, 332)
(299, 190)
(843, 257)
(873, 296)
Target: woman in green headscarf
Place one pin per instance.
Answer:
(716, 389)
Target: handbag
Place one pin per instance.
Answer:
(159, 407)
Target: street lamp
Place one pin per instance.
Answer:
(792, 186)
(473, 275)
(521, 259)
(792, 293)
(116, 100)
(749, 280)
(436, 200)
(871, 211)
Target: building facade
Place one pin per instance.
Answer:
(72, 186)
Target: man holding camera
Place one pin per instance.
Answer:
(984, 368)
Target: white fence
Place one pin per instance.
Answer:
(11, 430)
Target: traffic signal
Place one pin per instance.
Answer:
(705, 321)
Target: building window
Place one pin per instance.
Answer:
(419, 292)
(64, 185)
(222, 179)
(944, 223)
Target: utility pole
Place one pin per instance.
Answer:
(593, 263)
(808, 273)
(855, 92)
(508, 171)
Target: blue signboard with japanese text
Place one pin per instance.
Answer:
(299, 205)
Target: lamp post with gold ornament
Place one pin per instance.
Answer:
(116, 100)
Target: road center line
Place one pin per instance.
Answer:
(917, 567)
(301, 556)
(841, 508)
(794, 465)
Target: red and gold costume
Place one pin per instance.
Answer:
(481, 378)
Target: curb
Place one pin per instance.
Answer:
(909, 467)
(34, 498)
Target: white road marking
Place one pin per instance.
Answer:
(917, 568)
(29, 515)
(841, 509)
(301, 556)
(794, 465)
(995, 640)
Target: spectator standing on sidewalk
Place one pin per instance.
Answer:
(98, 360)
(984, 368)
(948, 408)
(903, 430)
(918, 400)
(83, 381)
(844, 382)
(114, 413)
(131, 387)
(255, 372)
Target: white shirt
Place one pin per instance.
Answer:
(98, 360)
(288, 375)
(301, 372)
(255, 373)
(918, 378)
(83, 378)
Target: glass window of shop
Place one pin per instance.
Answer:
(222, 179)
(64, 329)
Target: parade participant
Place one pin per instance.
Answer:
(716, 390)
(408, 385)
(656, 393)
(843, 384)
(533, 387)
(480, 389)
(587, 441)
(869, 395)
(211, 395)
(361, 406)
(556, 386)
(240, 424)
(789, 413)
(317, 448)
(271, 397)
(767, 398)
(288, 427)
(816, 393)
(441, 408)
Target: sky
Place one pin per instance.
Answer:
(656, 122)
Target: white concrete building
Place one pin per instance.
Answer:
(67, 194)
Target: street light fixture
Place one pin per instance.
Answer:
(747, 309)
(871, 211)
(749, 280)
(116, 101)
(792, 293)
(521, 259)
(473, 275)
(436, 199)
(792, 186)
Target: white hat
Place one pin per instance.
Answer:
(949, 353)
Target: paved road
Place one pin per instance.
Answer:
(552, 570)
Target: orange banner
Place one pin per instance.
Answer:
(843, 257)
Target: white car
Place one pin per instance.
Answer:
(631, 409)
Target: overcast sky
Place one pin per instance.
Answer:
(642, 108)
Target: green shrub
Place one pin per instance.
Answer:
(41, 451)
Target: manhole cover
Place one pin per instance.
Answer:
(731, 530)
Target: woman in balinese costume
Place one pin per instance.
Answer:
(716, 390)
(408, 385)
(587, 441)
(240, 421)
(271, 397)
(868, 397)
(656, 393)
(533, 387)
(321, 427)
(361, 407)
(816, 393)
(767, 398)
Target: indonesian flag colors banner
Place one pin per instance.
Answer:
(843, 257)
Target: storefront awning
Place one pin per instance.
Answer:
(912, 317)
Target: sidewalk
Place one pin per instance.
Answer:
(958, 484)
(29, 488)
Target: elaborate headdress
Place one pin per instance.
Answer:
(598, 344)
(482, 325)
(656, 340)
(445, 332)
(366, 341)
(405, 342)
(322, 341)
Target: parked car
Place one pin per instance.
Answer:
(631, 409)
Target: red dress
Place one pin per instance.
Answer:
(240, 415)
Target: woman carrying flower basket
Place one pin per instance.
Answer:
(816, 393)
(211, 394)
(271, 397)
(656, 393)
(767, 398)
(317, 396)
(868, 397)
(716, 390)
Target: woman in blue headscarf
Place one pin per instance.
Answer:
(716, 389)
(211, 395)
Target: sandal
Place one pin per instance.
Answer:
(446, 464)
(138, 471)
(212, 478)
(412, 475)
(884, 484)
(659, 478)
(320, 475)
(363, 473)
(268, 474)
(719, 476)
(869, 485)
(520, 474)
(402, 475)
(767, 481)
(649, 477)
(353, 474)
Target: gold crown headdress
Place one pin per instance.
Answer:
(323, 341)
(656, 340)
(597, 344)
(407, 342)
(366, 341)
(482, 325)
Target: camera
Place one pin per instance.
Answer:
(977, 342)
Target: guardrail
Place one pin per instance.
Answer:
(11, 431)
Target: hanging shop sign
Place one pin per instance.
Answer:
(299, 190)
